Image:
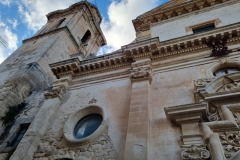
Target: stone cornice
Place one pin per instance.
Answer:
(82, 82)
(186, 113)
(144, 22)
(183, 45)
(77, 68)
(73, 8)
(65, 29)
(196, 42)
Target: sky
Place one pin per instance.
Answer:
(20, 19)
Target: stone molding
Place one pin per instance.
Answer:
(73, 120)
(77, 68)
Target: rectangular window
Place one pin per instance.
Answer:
(203, 28)
(19, 136)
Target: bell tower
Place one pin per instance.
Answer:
(81, 21)
(71, 32)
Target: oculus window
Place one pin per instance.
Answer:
(224, 71)
(87, 126)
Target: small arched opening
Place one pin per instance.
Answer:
(86, 38)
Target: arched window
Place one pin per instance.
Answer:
(225, 70)
(56, 25)
(86, 38)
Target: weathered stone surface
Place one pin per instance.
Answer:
(159, 99)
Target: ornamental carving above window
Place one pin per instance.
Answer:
(219, 46)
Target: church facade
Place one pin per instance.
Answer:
(171, 94)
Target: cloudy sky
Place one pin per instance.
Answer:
(20, 19)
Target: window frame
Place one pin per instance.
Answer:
(214, 22)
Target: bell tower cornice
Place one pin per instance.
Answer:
(75, 8)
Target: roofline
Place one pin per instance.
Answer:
(72, 7)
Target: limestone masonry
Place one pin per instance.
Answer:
(168, 95)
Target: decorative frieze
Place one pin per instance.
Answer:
(195, 152)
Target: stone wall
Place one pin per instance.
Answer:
(176, 27)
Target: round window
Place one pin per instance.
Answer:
(87, 125)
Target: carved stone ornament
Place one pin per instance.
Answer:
(55, 92)
(236, 116)
(213, 114)
(195, 152)
(203, 82)
(229, 87)
(142, 73)
(219, 46)
(230, 142)
(223, 60)
(92, 101)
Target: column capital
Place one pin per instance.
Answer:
(142, 73)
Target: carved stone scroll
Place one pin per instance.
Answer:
(213, 113)
(203, 82)
(195, 152)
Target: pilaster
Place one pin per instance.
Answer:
(137, 140)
